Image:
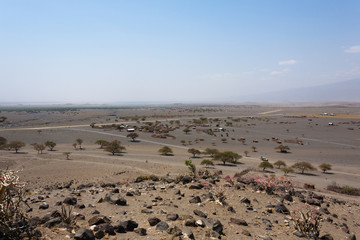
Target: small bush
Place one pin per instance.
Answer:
(308, 223)
(348, 190)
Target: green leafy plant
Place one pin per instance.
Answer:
(191, 167)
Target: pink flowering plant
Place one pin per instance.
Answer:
(272, 184)
(13, 222)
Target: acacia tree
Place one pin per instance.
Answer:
(283, 148)
(50, 145)
(211, 151)
(287, 170)
(227, 156)
(246, 152)
(186, 130)
(325, 167)
(304, 166)
(265, 164)
(75, 145)
(280, 163)
(253, 148)
(165, 150)
(79, 141)
(67, 154)
(133, 136)
(102, 143)
(207, 162)
(16, 145)
(194, 152)
(114, 147)
(39, 147)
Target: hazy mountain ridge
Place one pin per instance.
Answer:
(346, 91)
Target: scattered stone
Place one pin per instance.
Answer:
(52, 222)
(238, 221)
(172, 217)
(129, 225)
(105, 227)
(245, 200)
(186, 179)
(231, 209)
(70, 201)
(188, 234)
(299, 234)
(99, 219)
(84, 234)
(190, 222)
(196, 199)
(95, 212)
(246, 232)
(162, 226)
(43, 206)
(200, 223)
(280, 208)
(212, 235)
(140, 231)
(115, 199)
(326, 237)
(176, 231)
(197, 186)
(200, 214)
(153, 221)
(214, 224)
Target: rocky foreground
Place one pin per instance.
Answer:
(248, 206)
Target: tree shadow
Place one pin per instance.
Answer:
(20, 153)
(328, 173)
(308, 174)
(226, 164)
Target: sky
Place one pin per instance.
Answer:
(111, 51)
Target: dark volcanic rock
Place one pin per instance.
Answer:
(200, 213)
(153, 221)
(162, 226)
(197, 186)
(99, 219)
(84, 234)
(115, 199)
(280, 208)
(186, 179)
(105, 227)
(238, 221)
(214, 225)
(188, 234)
(43, 206)
(140, 231)
(196, 199)
(326, 237)
(52, 222)
(70, 201)
(129, 225)
(172, 217)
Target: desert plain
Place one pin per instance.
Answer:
(316, 134)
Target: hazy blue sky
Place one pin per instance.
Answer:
(188, 50)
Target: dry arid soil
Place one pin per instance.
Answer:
(105, 188)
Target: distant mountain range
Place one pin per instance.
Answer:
(347, 91)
